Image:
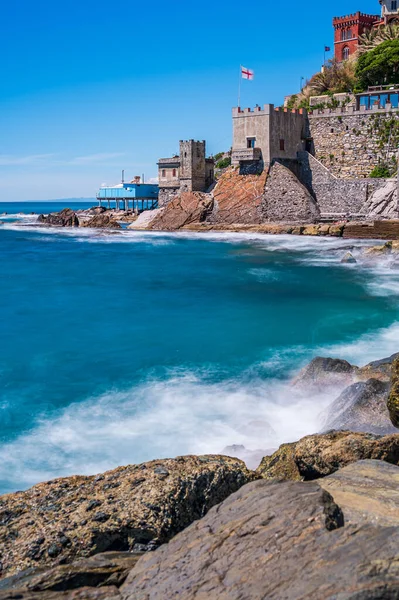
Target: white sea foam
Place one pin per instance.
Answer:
(183, 413)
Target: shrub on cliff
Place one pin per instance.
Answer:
(381, 171)
(224, 163)
(379, 66)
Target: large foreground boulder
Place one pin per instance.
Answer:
(361, 407)
(272, 541)
(65, 218)
(366, 491)
(130, 508)
(320, 455)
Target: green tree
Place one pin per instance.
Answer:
(379, 66)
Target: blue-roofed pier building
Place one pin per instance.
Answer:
(139, 196)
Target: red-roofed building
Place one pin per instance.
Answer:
(347, 31)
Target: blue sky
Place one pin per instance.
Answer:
(89, 88)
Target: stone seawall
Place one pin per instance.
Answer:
(335, 195)
(351, 145)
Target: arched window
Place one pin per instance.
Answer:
(345, 53)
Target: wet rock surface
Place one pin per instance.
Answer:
(361, 407)
(130, 508)
(274, 541)
(319, 455)
(101, 221)
(323, 372)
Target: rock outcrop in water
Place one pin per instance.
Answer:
(101, 221)
(134, 507)
(361, 407)
(65, 218)
(319, 455)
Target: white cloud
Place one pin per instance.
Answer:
(7, 160)
(95, 158)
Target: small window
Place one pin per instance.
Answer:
(174, 172)
(332, 130)
(345, 53)
(163, 173)
(282, 145)
(251, 142)
(394, 5)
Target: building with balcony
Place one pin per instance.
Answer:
(264, 134)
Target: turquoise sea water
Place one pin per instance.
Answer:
(123, 347)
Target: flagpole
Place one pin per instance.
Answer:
(239, 88)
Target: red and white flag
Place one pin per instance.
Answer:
(247, 73)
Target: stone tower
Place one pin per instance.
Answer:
(192, 166)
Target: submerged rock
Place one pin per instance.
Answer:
(348, 258)
(274, 541)
(65, 218)
(393, 398)
(320, 455)
(361, 407)
(133, 507)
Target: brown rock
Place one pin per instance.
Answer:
(319, 455)
(85, 593)
(101, 221)
(393, 398)
(337, 230)
(272, 541)
(366, 491)
(65, 218)
(132, 507)
(188, 208)
(311, 230)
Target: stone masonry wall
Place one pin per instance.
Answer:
(351, 145)
(335, 195)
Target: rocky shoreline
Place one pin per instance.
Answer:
(313, 520)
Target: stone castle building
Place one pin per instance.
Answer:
(348, 29)
(264, 134)
(189, 171)
(332, 152)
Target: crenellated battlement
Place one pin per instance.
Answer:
(267, 110)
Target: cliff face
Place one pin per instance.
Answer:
(273, 196)
(238, 198)
(188, 208)
(286, 199)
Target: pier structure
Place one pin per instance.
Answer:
(135, 195)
